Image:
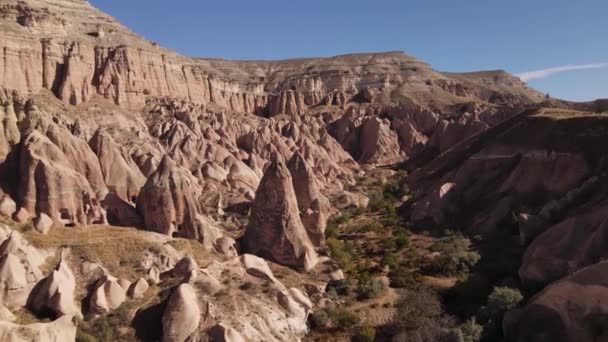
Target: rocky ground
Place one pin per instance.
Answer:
(149, 196)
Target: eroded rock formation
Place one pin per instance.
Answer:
(275, 229)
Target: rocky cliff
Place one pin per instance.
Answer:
(77, 52)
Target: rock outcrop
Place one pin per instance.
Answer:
(54, 295)
(19, 269)
(571, 309)
(275, 229)
(313, 205)
(62, 329)
(107, 295)
(182, 314)
(169, 201)
(120, 172)
(564, 248)
(51, 181)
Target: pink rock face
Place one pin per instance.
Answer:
(55, 294)
(120, 172)
(169, 199)
(565, 248)
(378, 143)
(566, 310)
(275, 230)
(9, 132)
(313, 205)
(50, 182)
(182, 314)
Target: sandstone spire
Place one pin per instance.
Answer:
(275, 230)
(312, 204)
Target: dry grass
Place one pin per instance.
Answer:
(24, 317)
(117, 249)
(196, 250)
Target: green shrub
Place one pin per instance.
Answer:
(469, 331)
(371, 289)
(402, 277)
(82, 336)
(402, 240)
(389, 259)
(344, 319)
(455, 257)
(341, 252)
(363, 228)
(365, 333)
(319, 319)
(341, 219)
(338, 287)
(501, 300)
(331, 230)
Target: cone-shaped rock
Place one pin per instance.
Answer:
(311, 202)
(168, 199)
(275, 230)
(182, 314)
(54, 295)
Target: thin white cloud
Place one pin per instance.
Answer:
(536, 74)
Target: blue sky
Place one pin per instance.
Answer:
(452, 35)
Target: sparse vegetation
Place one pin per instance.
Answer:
(455, 257)
(338, 318)
(365, 333)
(342, 252)
(501, 300)
(469, 331)
(343, 319)
(420, 317)
(371, 289)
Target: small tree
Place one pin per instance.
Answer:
(503, 299)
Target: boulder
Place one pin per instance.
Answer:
(138, 288)
(107, 295)
(185, 268)
(222, 333)
(275, 230)
(226, 246)
(153, 275)
(182, 314)
(21, 216)
(257, 267)
(43, 223)
(7, 206)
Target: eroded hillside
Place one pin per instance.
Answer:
(146, 195)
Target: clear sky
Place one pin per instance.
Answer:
(452, 35)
